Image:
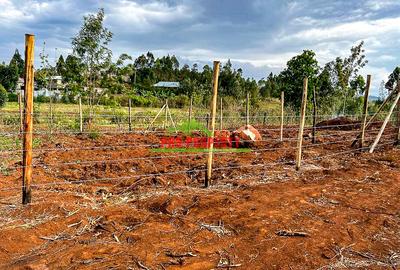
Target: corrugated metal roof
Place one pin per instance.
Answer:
(167, 84)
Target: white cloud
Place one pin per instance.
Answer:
(145, 17)
(352, 30)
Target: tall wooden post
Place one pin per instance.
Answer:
(301, 125)
(314, 128)
(247, 109)
(80, 115)
(28, 119)
(213, 113)
(365, 111)
(378, 137)
(21, 113)
(130, 115)
(220, 115)
(282, 112)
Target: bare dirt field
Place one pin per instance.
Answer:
(113, 203)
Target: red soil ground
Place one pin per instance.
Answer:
(346, 204)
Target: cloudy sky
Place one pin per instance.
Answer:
(258, 35)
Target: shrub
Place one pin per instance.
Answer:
(3, 96)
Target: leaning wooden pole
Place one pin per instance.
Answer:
(365, 112)
(302, 122)
(314, 128)
(378, 137)
(213, 113)
(371, 120)
(282, 113)
(28, 119)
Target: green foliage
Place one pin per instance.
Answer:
(3, 96)
(90, 46)
(299, 67)
(394, 77)
(94, 134)
(188, 127)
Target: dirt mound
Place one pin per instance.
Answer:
(340, 123)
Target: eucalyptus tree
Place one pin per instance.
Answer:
(90, 45)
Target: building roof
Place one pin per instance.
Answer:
(167, 84)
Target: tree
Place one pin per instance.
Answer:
(345, 70)
(299, 67)
(18, 63)
(394, 77)
(3, 96)
(60, 66)
(90, 46)
(8, 76)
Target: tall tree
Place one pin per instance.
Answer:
(91, 46)
(19, 63)
(299, 67)
(394, 77)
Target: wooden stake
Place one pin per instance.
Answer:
(190, 112)
(301, 125)
(371, 150)
(208, 121)
(213, 112)
(282, 112)
(220, 116)
(265, 118)
(314, 129)
(51, 114)
(365, 111)
(247, 109)
(21, 113)
(80, 115)
(28, 119)
(130, 115)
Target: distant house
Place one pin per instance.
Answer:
(167, 84)
(56, 85)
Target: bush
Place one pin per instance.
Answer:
(3, 96)
(12, 97)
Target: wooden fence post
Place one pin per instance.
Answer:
(247, 108)
(371, 150)
(265, 118)
(365, 111)
(21, 113)
(220, 116)
(28, 119)
(208, 121)
(80, 115)
(190, 113)
(314, 129)
(130, 115)
(213, 112)
(301, 125)
(282, 112)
